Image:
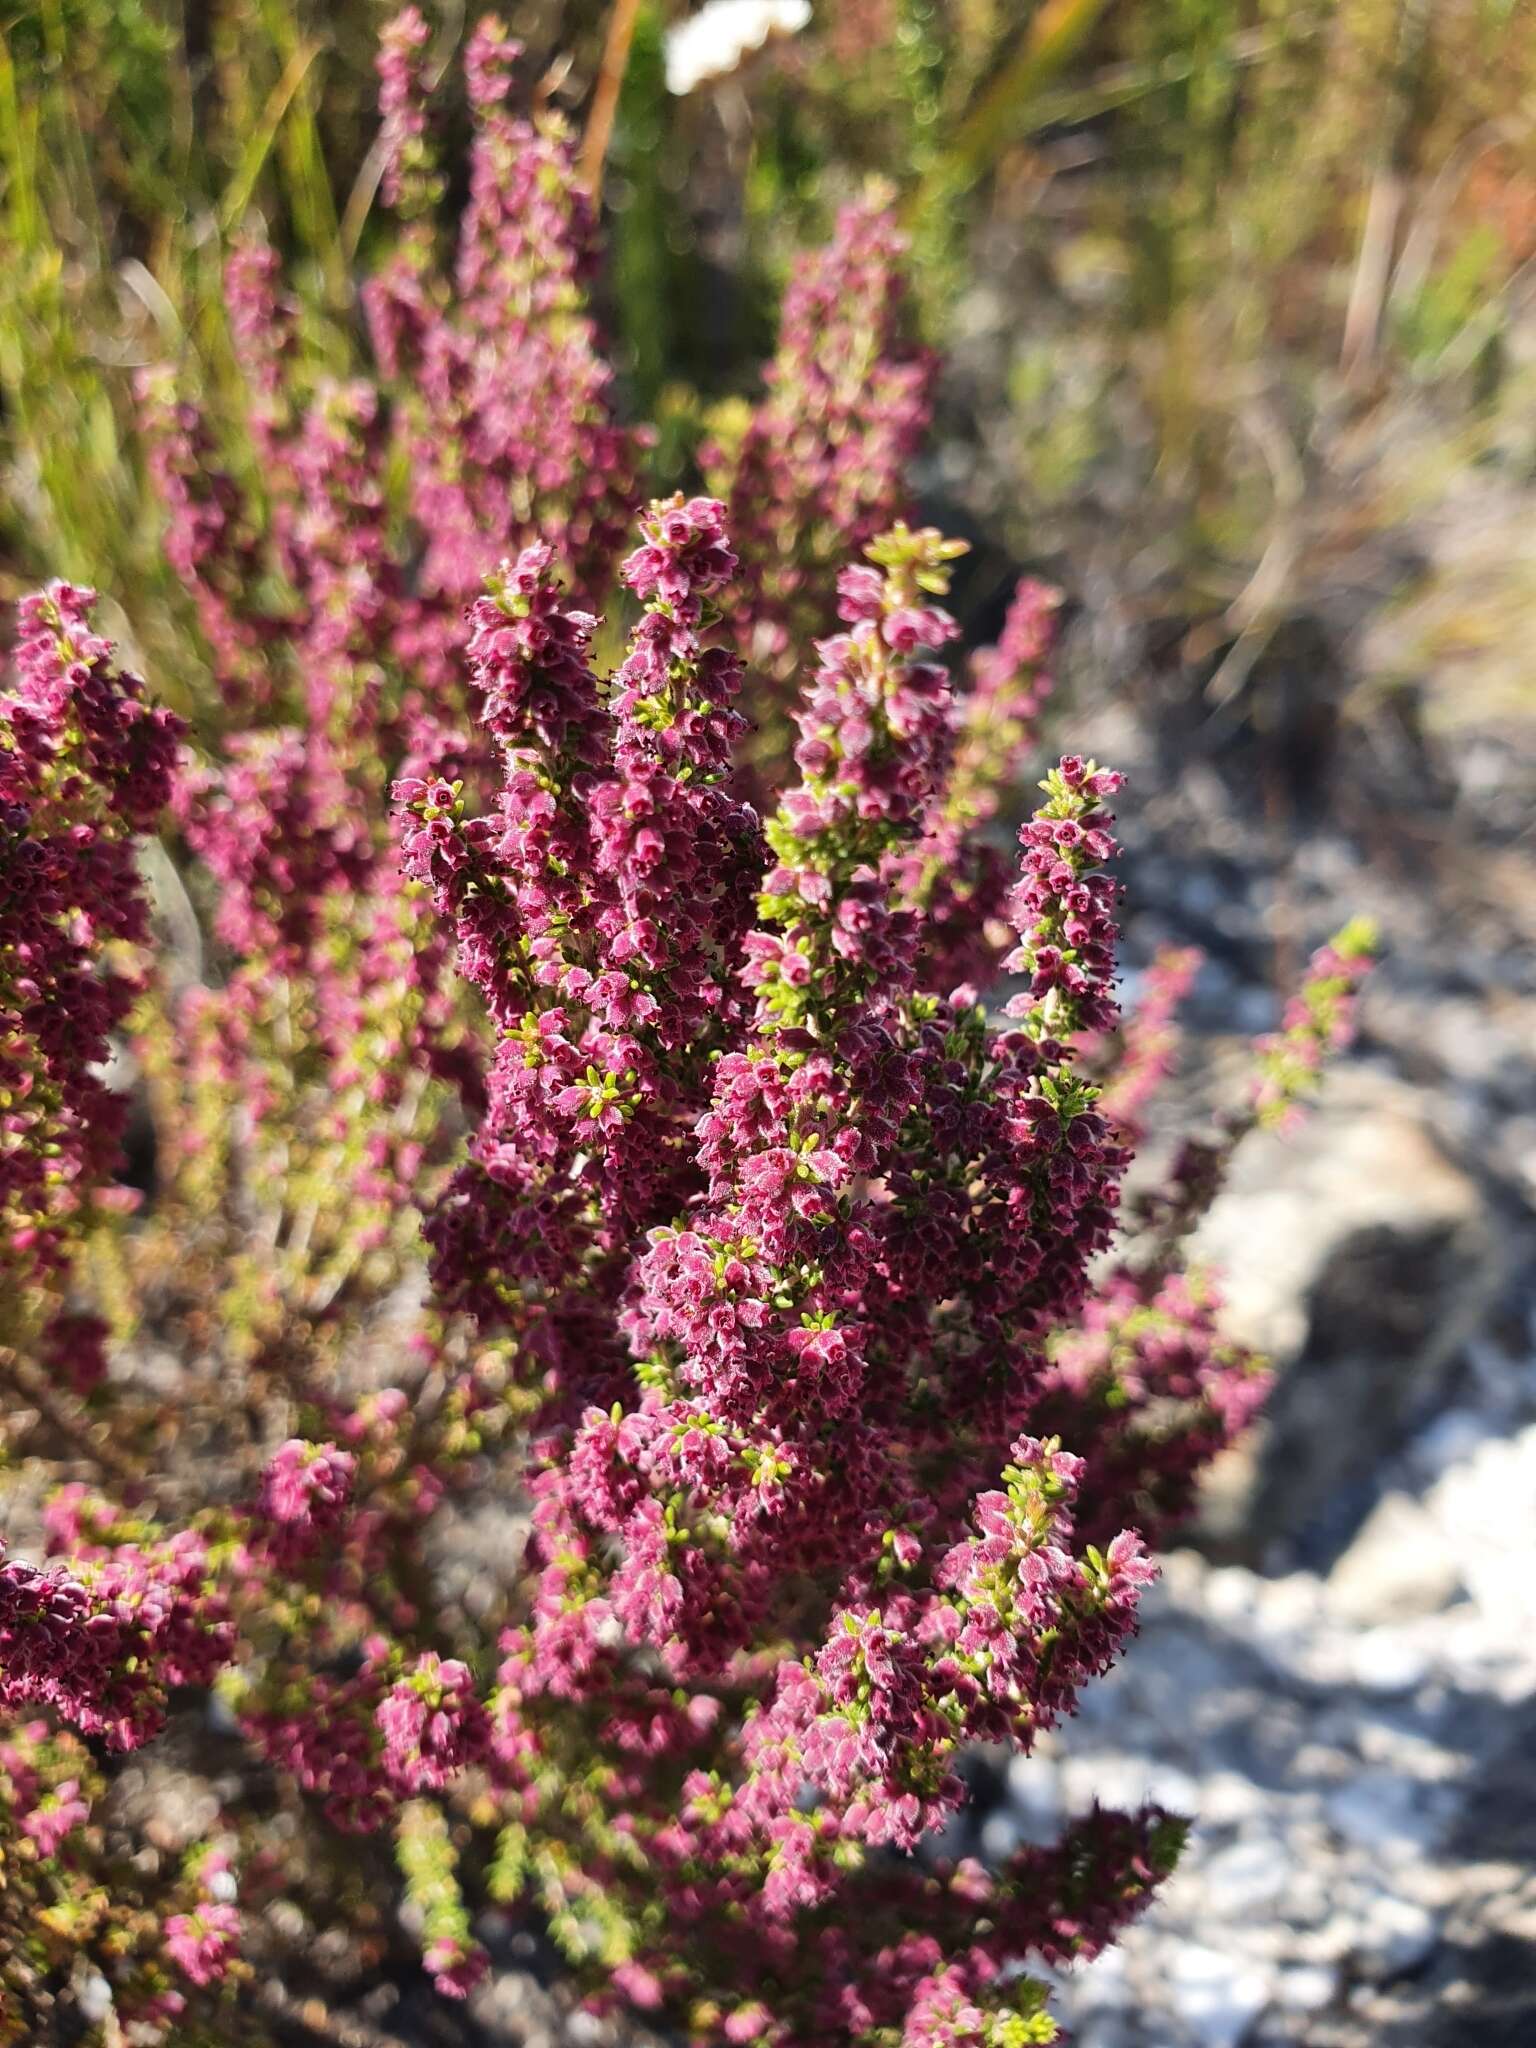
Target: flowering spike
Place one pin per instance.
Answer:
(85, 764)
(818, 469)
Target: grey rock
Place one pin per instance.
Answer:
(1360, 1257)
(1480, 1991)
(1249, 1877)
(1377, 1810)
(1394, 1936)
(1306, 1987)
(1217, 1996)
(1395, 1567)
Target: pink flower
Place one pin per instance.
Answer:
(455, 1967)
(432, 1723)
(55, 1816)
(305, 1492)
(203, 1944)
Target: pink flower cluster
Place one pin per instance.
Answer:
(205, 1942)
(955, 875)
(433, 1725)
(600, 907)
(305, 1494)
(819, 468)
(1319, 1022)
(332, 602)
(99, 1643)
(85, 764)
(47, 1805)
(202, 1944)
(806, 1193)
(490, 396)
(1152, 1391)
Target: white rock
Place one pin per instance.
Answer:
(1488, 1507)
(1231, 1593)
(1308, 1900)
(1001, 1835)
(1385, 1740)
(1217, 1996)
(1104, 2030)
(1227, 1798)
(1372, 1165)
(1248, 1877)
(1389, 1660)
(1321, 1763)
(1329, 1945)
(1173, 1788)
(1098, 1987)
(1360, 1257)
(1449, 1440)
(1034, 1786)
(1379, 1810)
(1113, 1780)
(1399, 1564)
(1289, 1604)
(1395, 1935)
(1307, 1987)
(93, 1995)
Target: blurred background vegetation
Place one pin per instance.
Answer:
(1236, 294)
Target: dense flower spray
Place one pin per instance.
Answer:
(332, 580)
(331, 585)
(818, 467)
(693, 1156)
(838, 1461)
(85, 764)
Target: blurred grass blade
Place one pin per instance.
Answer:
(18, 152)
(259, 147)
(365, 189)
(605, 101)
(302, 152)
(1046, 46)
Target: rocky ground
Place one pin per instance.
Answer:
(1343, 1740)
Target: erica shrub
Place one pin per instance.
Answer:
(632, 1361)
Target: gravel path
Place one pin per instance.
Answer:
(1357, 1749)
